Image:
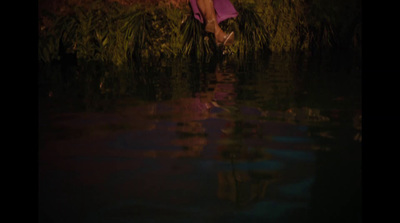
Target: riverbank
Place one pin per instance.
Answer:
(117, 31)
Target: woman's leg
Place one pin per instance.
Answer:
(206, 8)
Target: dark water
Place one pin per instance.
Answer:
(276, 139)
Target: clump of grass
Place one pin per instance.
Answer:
(113, 33)
(47, 48)
(195, 40)
(250, 30)
(285, 24)
(137, 28)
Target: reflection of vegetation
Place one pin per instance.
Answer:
(290, 83)
(293, 87)
(241, 187)
(90, 85)
(272, 86)
(111, 32)
(338, 164)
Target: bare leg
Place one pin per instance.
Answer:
(206, 8)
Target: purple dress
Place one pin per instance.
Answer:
(223, 10)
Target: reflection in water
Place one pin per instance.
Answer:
(357, 124)
(221, 141)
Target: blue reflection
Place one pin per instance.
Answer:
(292, 154)
(298, 190)
(243, 166)
(290, 139)
(272, 210)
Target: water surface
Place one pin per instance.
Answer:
(275, 139)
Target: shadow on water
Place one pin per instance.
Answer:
(275, 139)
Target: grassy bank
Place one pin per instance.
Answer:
(119, 31)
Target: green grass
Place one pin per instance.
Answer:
(119, 34)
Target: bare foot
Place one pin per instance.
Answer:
(219, 35)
